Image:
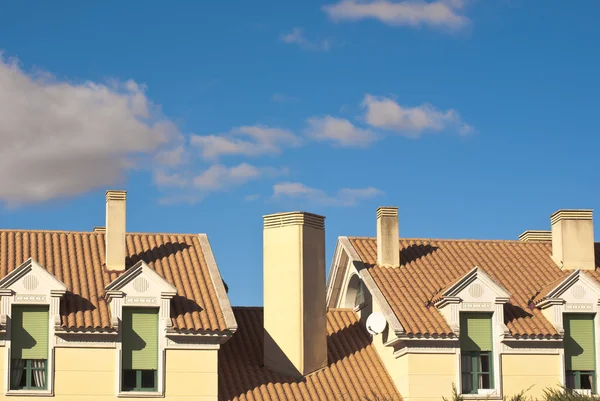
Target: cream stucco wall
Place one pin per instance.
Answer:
(88, 374)
(519, 372)
(417, 376)
(192, 375)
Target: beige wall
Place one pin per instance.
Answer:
(430, 376)
(418, 377)
(88, 374)
(192, 375)
(519, 372)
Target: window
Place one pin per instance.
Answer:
(360, 294)
(580, 352)
(139, 349)
(29, 347)
(476, 352)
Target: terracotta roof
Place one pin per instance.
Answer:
(428, 265)
(354, 370)
(77, 259)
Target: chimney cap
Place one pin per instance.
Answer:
(391, 211)
(536, 235)
(114, 194)
(571, 214)
(283, 219)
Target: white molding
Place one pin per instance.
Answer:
(218, 285)
(338, 276)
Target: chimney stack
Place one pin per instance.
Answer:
(115, 230)
(388, 237)
(573, 239)
(295, 321)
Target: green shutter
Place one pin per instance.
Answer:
(140, 338)
(29, 332)
(475, 331)
(579, 342)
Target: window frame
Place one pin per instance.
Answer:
(28, 370)
(475, 373)
(138, 381)
(577, 374)
(138, 389)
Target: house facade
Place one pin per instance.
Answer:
(108, 314)
(492, 317)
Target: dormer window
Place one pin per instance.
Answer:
(140, 304)
(31, 298)
(476, 352)
(580, 352)
(140, 349)
(29, 349)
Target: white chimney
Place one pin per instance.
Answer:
(388, 237)
(573, 239)
(295, 321)
(115, 230)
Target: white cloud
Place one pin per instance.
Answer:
(219, 177)
(246, 141)
(296, 36)
(339, 131)
(385, 113)
(61, 139)
(343, 197)
(440, 14)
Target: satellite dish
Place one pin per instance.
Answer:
(376, 323)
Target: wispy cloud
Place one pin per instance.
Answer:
(445, 14)
(281, 98)
(343, 197)
(62, 139)
(249, 141)
(339, 131)
(251, 197)
(385, 113)
(190, 187)
(296, 36)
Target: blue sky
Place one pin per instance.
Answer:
(478, 119)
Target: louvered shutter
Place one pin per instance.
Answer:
(140, 338)
(476, 331)
(579, 344)
(29, 332)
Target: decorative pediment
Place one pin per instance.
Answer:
(142, 285)
(577, 293)
(31, 280)
(476, 291)
(474, 287)
(577, 289)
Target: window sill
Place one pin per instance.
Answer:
(482, 396)
(140, 394)
(29, 393)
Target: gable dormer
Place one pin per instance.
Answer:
(30, 283)
(140, 305)
(577, 293)
(140, 286)
(476, 291)
(30, 315)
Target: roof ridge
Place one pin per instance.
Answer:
(28, 230)
(452, 239)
